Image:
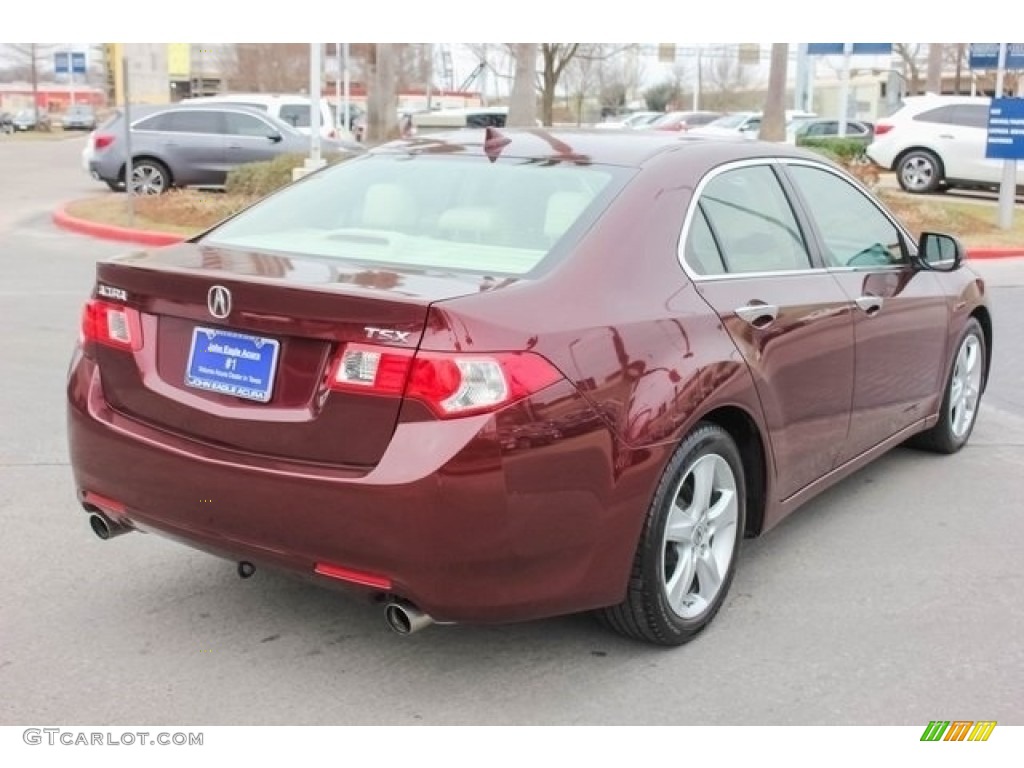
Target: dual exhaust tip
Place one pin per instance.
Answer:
(402, 617)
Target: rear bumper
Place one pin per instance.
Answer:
(463, 527)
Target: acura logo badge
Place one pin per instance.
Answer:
(218, 301)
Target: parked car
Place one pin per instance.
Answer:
(938, 142)
(292, 109)
(330, 382)
(743, 124)
(825, 128)
(633, 120)
(80, 117)
(192, 145)
(31, 120)
(682, 121)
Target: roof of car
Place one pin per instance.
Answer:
(584, 146)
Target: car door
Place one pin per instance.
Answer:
(249, 139)
(193, 145)
(901, 320)
(788, 317)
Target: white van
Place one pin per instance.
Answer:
(291, 108)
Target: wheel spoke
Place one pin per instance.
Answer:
(709, 575)
(703, 484)
(679, 527)
(679, 583)
(723, 510)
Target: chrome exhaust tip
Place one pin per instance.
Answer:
(106, 528)
(405, 618)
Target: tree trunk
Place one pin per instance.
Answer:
(933, 83)
(773, 121)
(522, 110)
(382, 98)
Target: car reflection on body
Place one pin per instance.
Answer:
(693, 337)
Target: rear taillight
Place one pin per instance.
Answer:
(112, 324)
(882, 128)
(102, 140)
(451, 384)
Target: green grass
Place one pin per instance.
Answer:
(974, 223)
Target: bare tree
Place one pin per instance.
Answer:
(726, 84)
(933, 83)
(270, 67)
(31, 62)
(773, 121)
(909, 54)
(555, 57)
(522, 109)
(618, 80)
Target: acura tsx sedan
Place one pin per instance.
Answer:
(499, 375)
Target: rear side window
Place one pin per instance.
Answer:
(942, 115)
(751, 224)
(461, 213)
(971, 115)
(183, 121)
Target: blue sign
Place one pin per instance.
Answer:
(60, 62)
(1005, 130)
(986, 56)
(232, 363)
(858, 49)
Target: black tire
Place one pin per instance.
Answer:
(919, 171)
(649, 612)
(956, 416)
(151, 175)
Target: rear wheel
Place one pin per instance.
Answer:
(962, 397)
(150, 177)
(687, 552)
(919, 171)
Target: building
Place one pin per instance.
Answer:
(50, 97)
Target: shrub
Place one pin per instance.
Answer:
(260, 179)
(839, 148)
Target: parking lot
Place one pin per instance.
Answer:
(892, 599)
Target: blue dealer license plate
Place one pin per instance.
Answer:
(232, 363)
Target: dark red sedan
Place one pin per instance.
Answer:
(497, 376)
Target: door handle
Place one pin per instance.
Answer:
(757, 315)
(946, 136)
(870, 304)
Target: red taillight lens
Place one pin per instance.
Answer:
(102, 140)
(451, 384)
(112, 324)
(882, 128)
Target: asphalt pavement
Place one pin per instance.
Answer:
(893, 599)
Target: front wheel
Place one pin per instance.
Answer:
(687, 553)
(962, 396)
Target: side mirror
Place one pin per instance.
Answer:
(275, 137)
(940, 253)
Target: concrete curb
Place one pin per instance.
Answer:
(64, 220)
(144, 237)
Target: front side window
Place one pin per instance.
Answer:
(854, 231)
(750, 221)
(296, 115)
(239, 124)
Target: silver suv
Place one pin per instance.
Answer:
(178, 146)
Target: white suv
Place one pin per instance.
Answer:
(291, 108)
(937, 142)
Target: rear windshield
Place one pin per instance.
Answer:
(458, 213)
